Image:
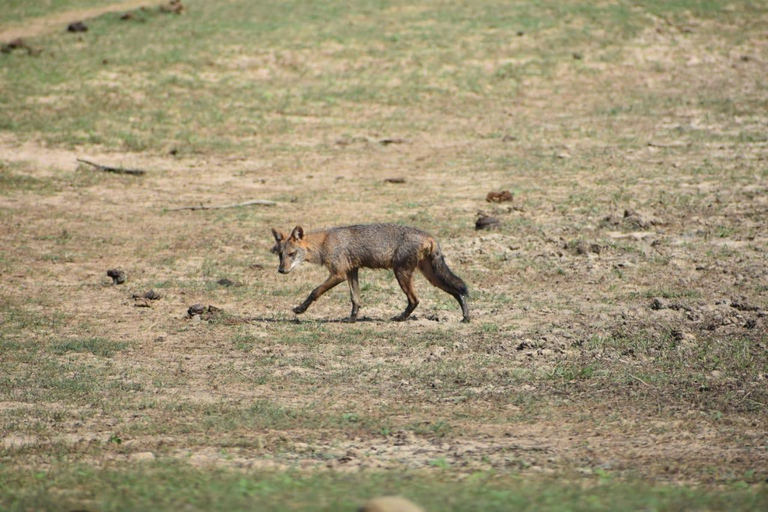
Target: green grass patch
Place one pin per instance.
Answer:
(12, 178)
(96, 346)
(175, 485)
(221, 418)
(313, 61)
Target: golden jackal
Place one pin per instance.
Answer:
(344, 250)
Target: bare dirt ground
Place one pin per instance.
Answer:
(619, 314)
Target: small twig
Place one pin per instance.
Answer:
(392, 140)
(744, 399)
(263, 202)
(638, 379)
(117, 170)
(662, 145)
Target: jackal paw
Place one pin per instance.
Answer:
(399, 318)
(299, 309)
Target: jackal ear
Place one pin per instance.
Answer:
(298, 233)
(279, 235)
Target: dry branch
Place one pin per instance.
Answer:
(263, 202)
(116, 170)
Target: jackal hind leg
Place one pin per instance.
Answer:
(329, 283)
(425, 266)
(405, 280)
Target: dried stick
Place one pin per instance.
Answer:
(672, 145)
(263, 202)
(641, 381)
(117, 170)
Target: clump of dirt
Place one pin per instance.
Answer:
(77, 26)
(499, 197)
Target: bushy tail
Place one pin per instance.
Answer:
(437, 272)
(448, 281)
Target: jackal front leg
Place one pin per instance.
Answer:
(329, 283)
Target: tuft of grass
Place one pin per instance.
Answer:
(97, 346)
(13, 179)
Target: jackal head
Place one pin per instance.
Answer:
(291, 249)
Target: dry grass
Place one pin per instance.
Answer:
(633, 141)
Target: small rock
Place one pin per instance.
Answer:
(487, 222)
(640, 220)
(77, 26)
(117, 275)
(20, 44)
(499, 197)
(348, 457)
(16, 44)
(150, 295)
(583, 248)
(225, 282)
(526, 344)
(195, 310)
(659, 303)
(404, 438)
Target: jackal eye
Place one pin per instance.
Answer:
(292, 254)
